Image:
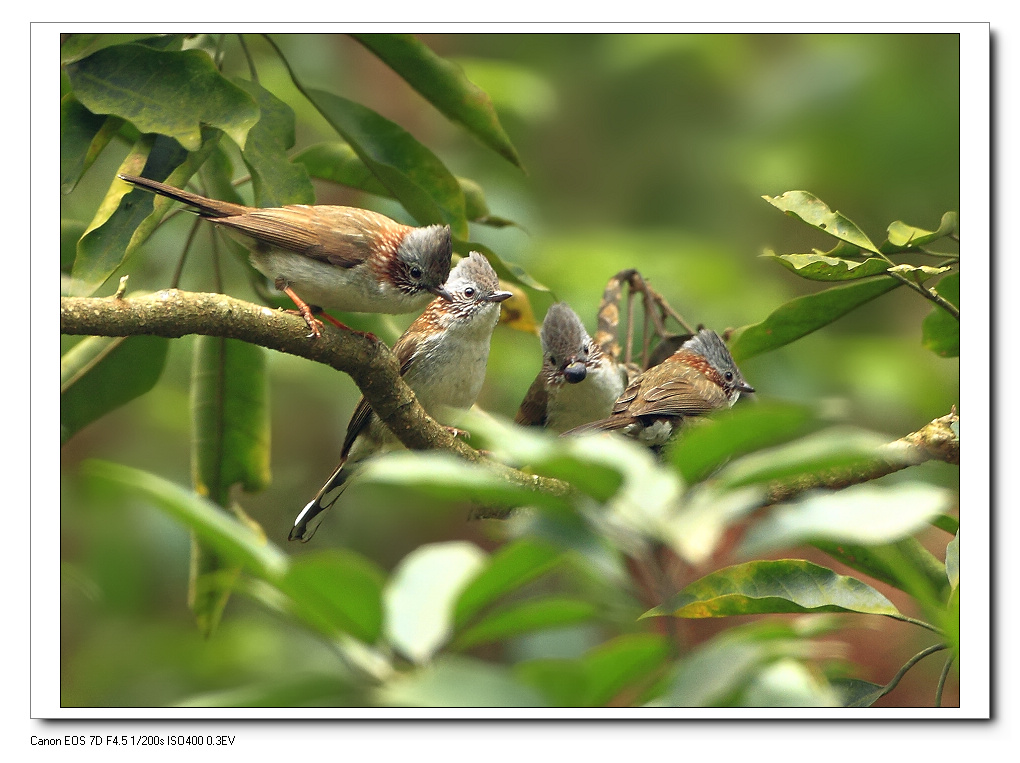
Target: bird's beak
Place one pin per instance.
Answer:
(575, 372)
(745, 388)
(440, 291)
(498, 296)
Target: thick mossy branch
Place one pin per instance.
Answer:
(174, 313)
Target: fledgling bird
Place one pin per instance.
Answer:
(442, 357)
(332, 257)
(698, 378)
(578, 382)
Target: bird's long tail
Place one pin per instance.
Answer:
(311, 516)
(206, 207)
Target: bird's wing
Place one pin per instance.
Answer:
(685, 395)
(534, 407)
(341, 236)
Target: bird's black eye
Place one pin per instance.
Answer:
(469, 292)
(415, 272)
(587, 348)
(729, 376)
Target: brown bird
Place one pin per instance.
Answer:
(577, 383)
(342, 258)
(442, 357)
(698, 378)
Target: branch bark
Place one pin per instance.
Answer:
(173, 313)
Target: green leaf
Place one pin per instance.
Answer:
(420, 596)
(336, 161)
(875, 561)
(824, 267)
(940, 331)
(100, 374)
(173, 93)
(563, 682)
(862, 514)
(76, 46)
(230, 417)
(445, 476)
(443, 84)
(237, 541)
(211, 579)
(857, 693)
(509, 568)
(817, 214)
(737, 431)
(953, 561)
(836, 448)
(126, 217)
(275, 179)
(455, 681)
(337, 591)
(83, 136)
(411, 172)
(770, 587)
(623, 665)
(525, 617)
(902, 236)
(800, 316)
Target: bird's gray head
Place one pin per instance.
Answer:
(423, 260)
(566, 346)
(711, 347)
(474, 283)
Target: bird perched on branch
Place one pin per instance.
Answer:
(577, 383)
(322, 256)
(442, 358)
(698, 378)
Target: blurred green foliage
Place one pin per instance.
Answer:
(646, 151)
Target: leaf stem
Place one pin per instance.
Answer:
(942, 681)
(909, 664)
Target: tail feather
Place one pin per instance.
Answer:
(311, 516)
(206, 207)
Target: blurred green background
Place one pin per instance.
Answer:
(646, 151)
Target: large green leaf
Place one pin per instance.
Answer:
(230, 417)
(337, 591)
(769, 587)
(865, 514)
(940, 330)
(410, 171)
(100, 374)
(76, 46)
(420, 596)
(525, 617)
(275, 179)
(737, 431)
(507, 569)
(237, 541)
(817, 214)
(444, 84)
(173, 93)
(800, 316)
(897, 564)
(623, 665)
(443, 475)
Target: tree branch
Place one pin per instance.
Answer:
(935, 441)
(173, 313)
